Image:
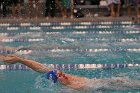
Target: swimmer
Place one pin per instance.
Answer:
(73, 81)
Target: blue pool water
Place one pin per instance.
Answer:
(70, 43)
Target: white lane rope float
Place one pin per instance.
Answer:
(100, 50)
(71, 66)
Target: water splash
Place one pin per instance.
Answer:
(46, 86)
(102, 85)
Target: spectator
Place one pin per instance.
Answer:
(0, 5)
(111, 4)
(138, 8)
(36, 5)
(128, 4)
(4, 4)
(16, 8)
(67, 5)
(50, 8)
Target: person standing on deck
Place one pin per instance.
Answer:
(138, 8)
(111, 5)
(3, 6)
(16, 8)
(65, 6)
(31, 6)
(128, 4)
(50, 8)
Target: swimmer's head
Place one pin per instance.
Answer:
(52, 75)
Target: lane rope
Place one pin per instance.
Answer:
(70, 66)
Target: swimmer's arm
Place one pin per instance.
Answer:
(36, 66)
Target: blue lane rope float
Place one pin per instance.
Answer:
(75, 32)
(70, 66)
(65, 25)
(8, 40)
(29, 51)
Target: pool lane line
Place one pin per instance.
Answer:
(99, 50)
(71, 66)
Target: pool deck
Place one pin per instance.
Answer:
(94, 19)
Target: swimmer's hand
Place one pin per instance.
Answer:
(10, 59)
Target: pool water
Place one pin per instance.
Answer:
(70, 43)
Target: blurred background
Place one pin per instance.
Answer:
(67, 8)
